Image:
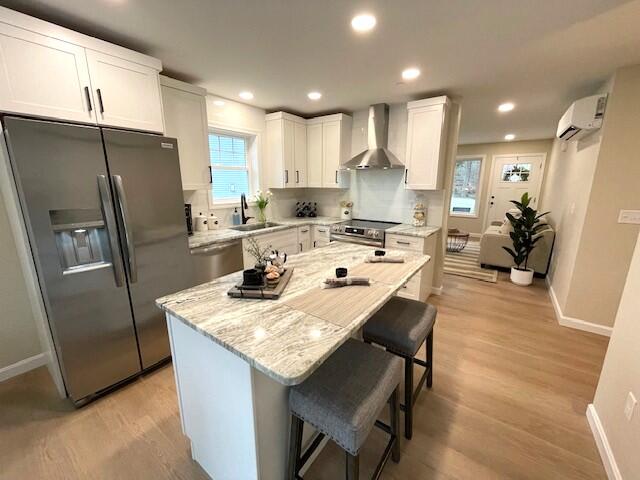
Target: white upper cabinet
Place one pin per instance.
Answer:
(185, 118)
(426, 143)
(50, 71)
(42, 76)
(285, 163)
(127, 93)
(314, 155)
(329, 146)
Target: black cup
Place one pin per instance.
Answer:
(341, 272)
(379, 253)
(252, 277)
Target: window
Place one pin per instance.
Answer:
(517, 172)
(229, 167)
(466, 186)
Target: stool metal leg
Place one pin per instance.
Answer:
(295, 447)
(353, 466)
(430, 359)
(394, 416)
(408, 397)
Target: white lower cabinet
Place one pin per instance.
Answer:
(282, 241)
(304, 238)
(419, 286)
(321, 236)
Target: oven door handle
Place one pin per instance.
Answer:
(354, 239)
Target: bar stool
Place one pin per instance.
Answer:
(402, 326)
(342, 400)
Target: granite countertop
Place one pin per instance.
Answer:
(222, 235)
(284, 343)
(411, 231)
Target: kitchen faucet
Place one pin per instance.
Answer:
(243, 205)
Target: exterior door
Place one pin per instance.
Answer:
(43, 76)
(511, 176)
(127, 93)
(62, 181)
(145, 176)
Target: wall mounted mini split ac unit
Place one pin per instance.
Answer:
(582, 117)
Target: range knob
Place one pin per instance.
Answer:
(376, 234)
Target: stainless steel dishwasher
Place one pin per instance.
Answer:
(214, 261)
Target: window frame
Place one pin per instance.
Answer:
(480, 188)
(252, 149)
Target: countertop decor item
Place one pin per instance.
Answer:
(260, 254)
(419, 215)
(262, 200)
(526, 227)
(385, 259)
(341, 272)
(212, 222)
(235, 217)
(344, 282)
(456, 240)
(200, 223)
(271, 290)
(346, 210)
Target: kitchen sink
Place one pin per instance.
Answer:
(254, 226)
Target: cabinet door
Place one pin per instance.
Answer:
(314, 155)
(185, 118)
(424, 169)
(288, 152)
(331, 153)
(300, 154)
(43, 76)
(127, 93)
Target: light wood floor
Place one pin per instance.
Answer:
(509, 398)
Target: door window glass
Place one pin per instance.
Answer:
(516, 172)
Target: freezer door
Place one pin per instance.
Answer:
(63, 185)
(145, 177)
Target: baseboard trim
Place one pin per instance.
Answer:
(436, 290)
(23, 366)
(599, 435)
(575, 323)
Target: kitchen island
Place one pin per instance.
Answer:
(234, 359)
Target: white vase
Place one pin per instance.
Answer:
(345, 214)
(522, 277)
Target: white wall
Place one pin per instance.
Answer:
(621, 375)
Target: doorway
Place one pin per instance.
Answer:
(511, 176)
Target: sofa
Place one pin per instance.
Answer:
(497, 236)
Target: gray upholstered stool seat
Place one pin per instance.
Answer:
(342, 399)
(401, 325)
(344, 396)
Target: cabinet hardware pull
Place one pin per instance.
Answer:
(400, 242)
(304, 231)
(286, 176)
(297, 176)
(100, 100)
(406, 172)
(88, 95)
(314, 244)
(210, 176)
(336, 176)
(301, 247)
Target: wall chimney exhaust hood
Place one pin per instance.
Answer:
(377, 156)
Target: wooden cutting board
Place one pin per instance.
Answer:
(389, 273)
(339, 306)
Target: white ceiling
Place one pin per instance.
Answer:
(539, 54)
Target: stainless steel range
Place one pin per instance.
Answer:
(364, 232)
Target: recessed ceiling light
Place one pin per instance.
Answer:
(363, 22)
(246, 95)
(509, 136)
(314, 95)
(218, 103)
(506, 107)
(410, 73)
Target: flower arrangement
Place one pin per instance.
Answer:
(262, 200)
(257, 252)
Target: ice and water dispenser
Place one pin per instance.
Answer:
(81, 238)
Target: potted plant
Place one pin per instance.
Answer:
(260, 254)
(262, 200)
(526, 226)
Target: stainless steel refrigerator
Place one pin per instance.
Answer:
(105, 219)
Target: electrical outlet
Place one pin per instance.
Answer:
(629, 216)
(630, 406)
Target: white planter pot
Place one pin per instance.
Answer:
(522, 277)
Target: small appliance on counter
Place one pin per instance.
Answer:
(188, 218)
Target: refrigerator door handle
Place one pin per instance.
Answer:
(110, 222)
(121, 198)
